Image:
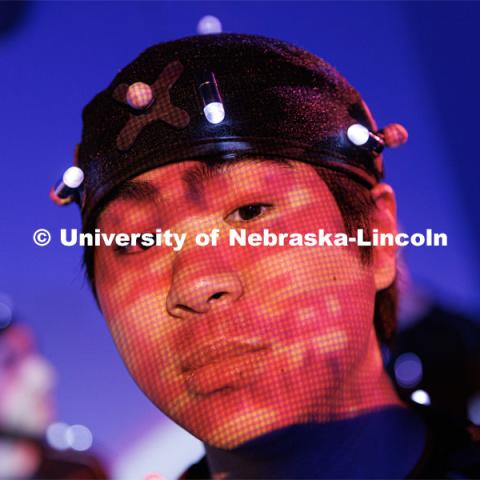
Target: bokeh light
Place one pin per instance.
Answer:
(474, 409)
(79, 437)
(57, 435)
(408, 370)
(421, 397)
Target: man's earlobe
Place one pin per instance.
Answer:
(384, 220)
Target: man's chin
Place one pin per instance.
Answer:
(232, 431)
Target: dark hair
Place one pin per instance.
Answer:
(356, 206)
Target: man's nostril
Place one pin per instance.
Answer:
(185, 308)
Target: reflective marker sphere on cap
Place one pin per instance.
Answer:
(73, 177)
(209, 24)
(68, 188)
(394, 135)
(139, 96)
(214, 112)
(358, 134)
(211, 98)
(298, 85)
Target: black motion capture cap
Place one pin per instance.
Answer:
(224, 96)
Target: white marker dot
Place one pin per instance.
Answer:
(358, 134)
(214, 112)
(209, 24)
(73, 177)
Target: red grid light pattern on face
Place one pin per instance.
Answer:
(235, 341)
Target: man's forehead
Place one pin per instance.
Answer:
(191, 182)
(202, 171)
(191, 177)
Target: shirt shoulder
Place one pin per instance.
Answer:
(452, 448)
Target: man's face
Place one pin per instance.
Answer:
(233, 342)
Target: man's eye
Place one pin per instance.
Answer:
(124, 250)
(248, 212)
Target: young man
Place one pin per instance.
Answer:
(267, 353)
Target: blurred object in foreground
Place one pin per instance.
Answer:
(27, 409)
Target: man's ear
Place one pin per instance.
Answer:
(384, 219)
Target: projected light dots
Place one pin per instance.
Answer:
(62, 436)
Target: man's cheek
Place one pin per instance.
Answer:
(141, 330)
(285, 276)
(123, 283)
(316, 314)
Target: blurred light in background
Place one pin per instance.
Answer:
(474, 409)
(6, 310)
(209, 24)
(408, 370)
(57, 435)
(62, 436)
(421, 397)
(79, 437)
(154, 476)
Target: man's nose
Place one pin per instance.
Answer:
(194, 292)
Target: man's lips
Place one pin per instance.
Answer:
(219, 351)
(224, 365)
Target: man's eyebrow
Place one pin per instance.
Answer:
(139, 190)
(196, 177)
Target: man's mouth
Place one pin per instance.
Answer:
(218, 351)
(223, 364)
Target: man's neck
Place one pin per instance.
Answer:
(365, 389)
(384, 443)
(361, 430)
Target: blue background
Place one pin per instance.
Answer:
(414, 63)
